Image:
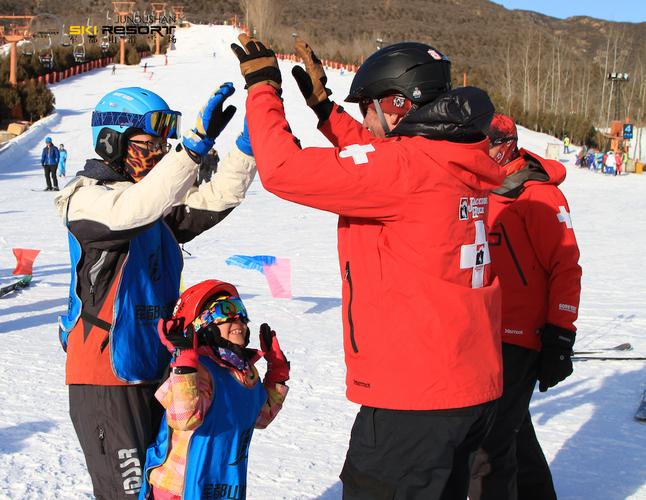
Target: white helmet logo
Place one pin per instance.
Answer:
(106, 143)
(434, 54)
(417, 93)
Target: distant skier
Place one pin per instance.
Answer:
(566, 145)
(535, 255)
(62, 160)
(49, 161)
(145, 67)
(126, 214)
(114, 69)
(213, 398)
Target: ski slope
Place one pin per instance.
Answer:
(595, 448)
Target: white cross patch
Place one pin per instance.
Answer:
(564, 216)
(358, 152)
(476, 256)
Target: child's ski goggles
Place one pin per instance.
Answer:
(159, 123)
(222, 311)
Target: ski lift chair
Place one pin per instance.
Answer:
(46, 55)
(27, 48)
(79, 53)
(46, 58)
(66, 40)
(105, 44)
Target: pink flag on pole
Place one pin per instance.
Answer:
(279, 278)
(25, 258)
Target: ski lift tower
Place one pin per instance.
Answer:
(122, 9)
(178, 10)
(16, 31)
(158, 9)
(616, 79)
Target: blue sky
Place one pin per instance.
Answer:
(633, 11)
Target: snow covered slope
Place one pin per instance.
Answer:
(585, 424)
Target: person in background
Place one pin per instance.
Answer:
(618, 162)
(421, 311)
(49, 161)
(213, 398)
(535, 255)
(62, 160)
(580, 156)
(566, 145)
(610, 163)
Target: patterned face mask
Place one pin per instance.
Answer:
(140, 159)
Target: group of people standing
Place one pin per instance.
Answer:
(53, 160)
(610, 162)
(460, 285)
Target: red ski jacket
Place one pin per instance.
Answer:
(533, 250)
(421, 316)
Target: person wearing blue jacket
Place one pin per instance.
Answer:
(127, 212)
(49, 161)
(62, 159)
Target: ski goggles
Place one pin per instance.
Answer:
(159, 123)
(221, 311)
(395, 104)
(502, 140)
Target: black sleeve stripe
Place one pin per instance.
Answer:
(186, 223)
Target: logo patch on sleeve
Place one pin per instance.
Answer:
(358, 152)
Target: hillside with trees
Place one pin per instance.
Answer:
(550, 74)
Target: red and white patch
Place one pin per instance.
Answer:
(434, 54)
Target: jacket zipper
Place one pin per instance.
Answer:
(146, 471)
(188, 447)
(349, 278)
(102, 440)
(513, 255)
(94, 273)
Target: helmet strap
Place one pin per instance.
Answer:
(380, 115)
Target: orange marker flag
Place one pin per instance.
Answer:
(25, 258)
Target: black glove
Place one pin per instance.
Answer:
(312, 80)
(277, 364)
(211, 120)
(555, 363)
(258, 64)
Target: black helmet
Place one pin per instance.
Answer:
(415, 70)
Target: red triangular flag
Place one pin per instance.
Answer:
(25, 258)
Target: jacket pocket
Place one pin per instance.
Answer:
(348, 277)
(513, 255)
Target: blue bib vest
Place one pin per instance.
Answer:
(147, 292)
(216, 465)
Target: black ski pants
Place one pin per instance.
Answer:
(510, 464)
(50, 176)
(413, 455)
(115, 425)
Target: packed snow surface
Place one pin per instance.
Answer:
(595, 448)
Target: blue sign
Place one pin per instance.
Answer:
(628, 130)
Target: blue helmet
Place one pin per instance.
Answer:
(129, 110)
(48, 139)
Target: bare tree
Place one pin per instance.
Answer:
(526, 65)
(604, 75)
(538, 75)
(558, 74)
(509, 92)
(262, 17)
